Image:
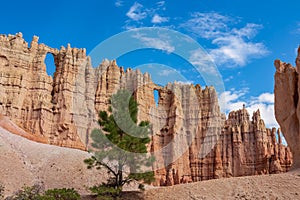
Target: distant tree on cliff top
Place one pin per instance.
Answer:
(120, 145)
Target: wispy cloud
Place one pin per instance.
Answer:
(232, 42)
(162, 42)
(228, 79)
(139, 15)
(232, 99)
(185, 82)
(233, 45)
(207, 25)
(136, 12)
(266, 98)
(161, 4)
(202, 61)
(235, 51)
(119, 3)
(168, 72)
(297, 30)
(156, 19)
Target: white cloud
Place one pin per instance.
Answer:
(129, 26)
(228, 79)
(233, 45)
(185, 82)
(234, 100)
(136, 12)
(207, 25)
(230, 100)
(158, 19)
(266, 98)
(202, 61)
(161, 4)
(167, 72)
(139, 15)
(119, 3)
(234, 50)
(298, 28)
(266, 112)
(161, 42)
(249, 31)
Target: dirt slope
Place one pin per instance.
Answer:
(277, 186)
(26, 162)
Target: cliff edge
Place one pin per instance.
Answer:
(287, 107)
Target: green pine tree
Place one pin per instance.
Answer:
(120, 145)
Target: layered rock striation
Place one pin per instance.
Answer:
(63, 108)
(191, 138)
(38, 103)
(287, 108)
(244, 147)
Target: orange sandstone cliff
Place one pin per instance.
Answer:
(287, 107)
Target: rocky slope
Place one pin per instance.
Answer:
(191, 139)
(24, 162)
(287, 107)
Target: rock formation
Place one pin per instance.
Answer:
(244, 147)
(38, 103)
(62, 108)
(287, 107)
(191, 140)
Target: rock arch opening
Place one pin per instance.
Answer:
(156, 96)
(50, 64)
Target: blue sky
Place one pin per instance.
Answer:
(242, 37)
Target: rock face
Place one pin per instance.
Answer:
(244, 147)
(187, 122)
(38, 103)
(191, 140)
(61, 109)
(287, 107)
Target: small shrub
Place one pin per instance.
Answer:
(1, 191)
(106, 192)
(61, 194)
(142, 187)
(35, 193)
(27, 193)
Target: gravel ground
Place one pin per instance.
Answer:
(275, 186)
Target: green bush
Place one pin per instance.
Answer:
(106, 192)
(27, 193)
(142, 187)
(1, 191)
(35, 193)
(61, 194)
